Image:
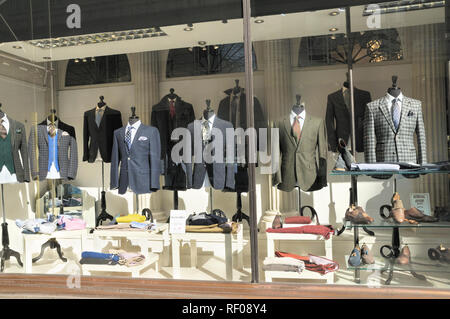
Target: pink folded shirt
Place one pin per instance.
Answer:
(298, 220)
(72, 223)
(325, 231)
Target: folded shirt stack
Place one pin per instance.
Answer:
(375, 167)
(133, 226)
(228, 227)
(36, 226)
(298, 220)
(324, 230)
(283, 264)
(115, 257)
(71, 223)
(128, 259)
(314, 263)
(131, 218)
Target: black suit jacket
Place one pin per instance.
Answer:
(220, 173)
(338, 118)
(63, 127)
(175, 177)
(100, 138)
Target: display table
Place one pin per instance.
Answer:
(306, 274)
(30, 240)
(157, 240)
(135, 271)
(194, 237)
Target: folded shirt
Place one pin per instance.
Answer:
(283, 261)
(35, 226)
(375, 167)
(96, 255)
(325, 231)
(222, 228)
(128, 259)
(131, 218)
(97, 261)
(298, 220)
(278, 267)
(313, 263)
(71, 223)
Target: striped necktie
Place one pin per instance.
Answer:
(52, 130)
(3, 132)
(395, 113)
(128, 138)
(296, 128)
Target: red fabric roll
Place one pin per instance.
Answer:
(298, 220)
(322, 230)
(322, 269)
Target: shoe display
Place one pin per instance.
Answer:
(355, 257)
(415, 214)
(366, 255)
(357, 215)
(405, 256)
(340, 164)
(398, 211)
(440, 253)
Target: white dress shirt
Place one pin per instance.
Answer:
(5, 176)
(134, 130)
(53, 172)
(302, 114)
(206, 182)
(389, 99)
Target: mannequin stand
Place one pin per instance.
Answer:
(7, 252)
(175, 200)
(52, 243)
(103, 216)
(239, 214)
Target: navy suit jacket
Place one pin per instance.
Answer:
(141, 167)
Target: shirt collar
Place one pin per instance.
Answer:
(210, 120)
(135, 125)
(302, 114)
(48, 122)
(389, 98)
(103, 108)
(4, 118)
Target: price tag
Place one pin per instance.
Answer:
(177, 221)
(421, 201)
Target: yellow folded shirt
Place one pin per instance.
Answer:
(131, 218)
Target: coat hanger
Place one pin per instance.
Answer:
(101, 103)
(394, 90)
(52, 116)
(1, 112)
(347, 82)
(133, 118)
(208, 112)
(298, 107)
(172, 95)
(237, 88)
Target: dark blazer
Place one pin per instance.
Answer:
(175, 177)
(338, 118)
(19, 144)
(140, 169)
(384, 144)
(220, 173)
(305, 162)
(63, 127)
(100, 138)
(67, 154)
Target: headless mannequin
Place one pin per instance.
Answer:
(172, 95)
(133, 118)
(394, 90)
(237, 88)
(346, 83)
(298, 107)
(208, 112)
(101, 103)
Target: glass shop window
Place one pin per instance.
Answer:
(98, 70)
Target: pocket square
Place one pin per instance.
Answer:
(65, 134)
(142, 138)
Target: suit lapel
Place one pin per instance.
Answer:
(44, 132)
(288, 128)
(12, 130)
(103, 117)
(305, 128)
(404, 112)
(340, 100)
(384, 107)
(136, 136)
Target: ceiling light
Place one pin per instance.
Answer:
(259, 21)
(189, 27)
(76, 60)
(283, 14)
(92, 59)
(84, 60)
(334, 13)
(190, 49)
(201, 42)
(17, 47)
(216, 47)
(333, 37)
(204, 48)
(333, 29)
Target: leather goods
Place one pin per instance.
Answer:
(405, 256)
(338, 118)
(440, 253)
(415, 214)
(302, 164)
(366, 255)
(357, 215)
(100, 138)
(383, 143)
(398, 211)
(442, 213)
(216, 217)
(355, 257)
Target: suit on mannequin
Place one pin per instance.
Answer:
(63, 127)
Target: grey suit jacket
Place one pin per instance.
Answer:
(67, 153)
(303, 163)
(383, 144)
(19, 144)
(220, 173)
(140, 169)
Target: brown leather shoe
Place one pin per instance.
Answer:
(405, 256)
(357, 215)
(366, 255)
(415, 214)
(398, 214)
(364, 214)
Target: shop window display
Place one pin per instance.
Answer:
(353, 101)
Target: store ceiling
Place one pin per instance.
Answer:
(280, 26)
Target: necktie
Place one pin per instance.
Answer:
(98, 117)
(52, 130)
(347, 98)
(172, 109)
(296, 128)
(395, 113)
(235, 112)
(3, 132)
(205, 131)
(128, 138)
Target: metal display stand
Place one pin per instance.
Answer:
(103, 216)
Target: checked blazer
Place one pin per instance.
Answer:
(67, 154)
(19, 145)
(140, 167)
(382, 143)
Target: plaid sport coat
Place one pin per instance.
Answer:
(67, 154)
(382, 143)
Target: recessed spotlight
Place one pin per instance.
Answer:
(84, 60)
(259, 21)
(92, 59)
(76, 60)
(216, 47)
(190, 49)
(204, 48)
(333, 29)
(46, 58)
(189, 27)
(333, 37)
(334, 13)
(17, 47)
(201, 42)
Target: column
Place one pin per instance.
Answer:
(428, 85)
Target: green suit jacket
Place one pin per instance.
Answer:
(302, 163)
